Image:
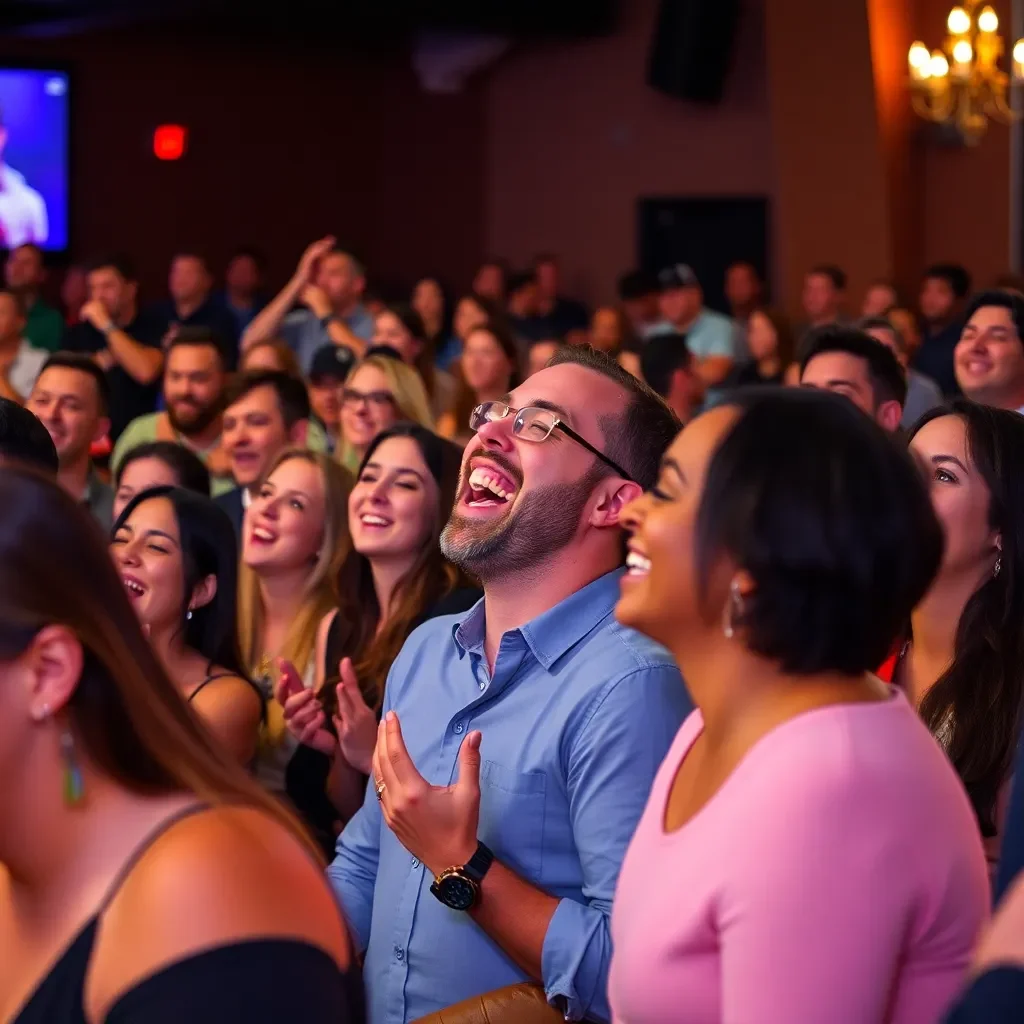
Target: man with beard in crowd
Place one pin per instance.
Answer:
(459, 878)
(194, 381)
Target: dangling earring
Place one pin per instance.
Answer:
(74, 786)
(997, 567)
(188, 615)
(733, 608)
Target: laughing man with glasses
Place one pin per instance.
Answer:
(520, 740)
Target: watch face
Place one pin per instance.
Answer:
(457, 892)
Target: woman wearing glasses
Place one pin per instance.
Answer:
(378, 393)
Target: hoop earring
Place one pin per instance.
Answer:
(997, 568)
(733, 608)
(74, 785)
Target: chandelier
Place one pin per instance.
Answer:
(962, 84)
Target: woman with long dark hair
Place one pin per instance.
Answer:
(131, 844)
(807, 852)
(174, 550)
(158, 464)
(394, 578)
(963, 663)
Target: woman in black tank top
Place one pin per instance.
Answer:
(175, 552)
(143, 876)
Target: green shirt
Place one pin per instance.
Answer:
(44, 327)
(142, 430)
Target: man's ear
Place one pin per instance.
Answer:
(614, 495)
(299, 433)
(889, 415)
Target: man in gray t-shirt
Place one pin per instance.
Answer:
(923, 394)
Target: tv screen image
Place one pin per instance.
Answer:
(34, 158)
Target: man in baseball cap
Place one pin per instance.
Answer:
(711, 337)
(327, 372)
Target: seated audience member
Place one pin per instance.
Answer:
(158, 464)
(243, 296)
(575, 713)
(123, 342)
(294, 542)
(154, 842)
(487, 372)
(772, 348)
(72, 399)
(328, 285)
(264, 414)
(327, 375)
(906, 323)
(989, 358)
(394, 579)
(944, 292)
(430, 300)
(962, 664)
(879, 300)
(629, 360)
(822, 297)
(25, 273)
(855, 365)
(565, 318)
(74, 293)
(377, 394)
(523, 309)
(710, 337)
(399, 327)
(489, 281)
(766, 563)
(23, 438)
(472, 311)
(276, 355)
(923, 394)
(20, 362)
(192, 305)
(195, 380)
(638, 295)
(667, 366)
(176, 553)
(540, 354)
(744, 290)
(610, 330)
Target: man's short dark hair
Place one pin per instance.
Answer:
(83, 364)
(883, 323)
(1003, 299)
(954, 275)
(114, 261)
(196, 337)
(517, 282)
(835, 274)
(32, 247)
(191, 254)
(792, 497)
(23, 438)
(17, 298)
(637, 284)
(250, 252)
(888, 381)
(660, 357)
(637, 437)
(292, 398)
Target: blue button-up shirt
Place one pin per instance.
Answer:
(576, 718)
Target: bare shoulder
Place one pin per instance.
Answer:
(228, 688)
(223, 876)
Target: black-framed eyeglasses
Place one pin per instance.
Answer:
(536, 425)
(349, 396)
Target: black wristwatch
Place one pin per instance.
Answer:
(326, 321)
(459, 888)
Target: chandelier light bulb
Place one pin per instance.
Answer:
(958, 22)
(988, 20)
(963, 52)
(1018, 51)
(919, 57)
(938, 65)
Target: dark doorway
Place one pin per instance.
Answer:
(708, 234)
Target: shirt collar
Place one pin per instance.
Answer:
(246, 497)
(554, 632)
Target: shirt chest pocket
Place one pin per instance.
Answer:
(512, 817)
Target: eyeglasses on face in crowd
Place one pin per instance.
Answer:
(535, 424)
(349, 396)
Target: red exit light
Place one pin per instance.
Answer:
(169, 142)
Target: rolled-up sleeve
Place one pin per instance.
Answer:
(612, 761)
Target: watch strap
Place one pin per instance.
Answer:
(477, 865)
(326, 321)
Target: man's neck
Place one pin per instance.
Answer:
(511, 603)
(202, 440)
(825, 320)
(125, 316)
(241, 300)
(1010, 398)
(73, 476)
(343, 310)
(188, 307)
(687, 325)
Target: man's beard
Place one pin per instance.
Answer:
(196, 419)
(545, 522)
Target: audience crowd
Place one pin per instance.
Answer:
(488, 657)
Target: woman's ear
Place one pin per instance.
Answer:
(203, 593)
(52, 665)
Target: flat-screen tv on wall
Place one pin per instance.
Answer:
(34, 172)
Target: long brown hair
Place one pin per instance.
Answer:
(431, 577)
(465, 397)
(127, 716)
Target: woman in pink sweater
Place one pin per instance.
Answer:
(808, 855)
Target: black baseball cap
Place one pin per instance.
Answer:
(331, 362)
(679, 275)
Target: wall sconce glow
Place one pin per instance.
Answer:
(958, 22)
(938, 66)
(988, 20)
